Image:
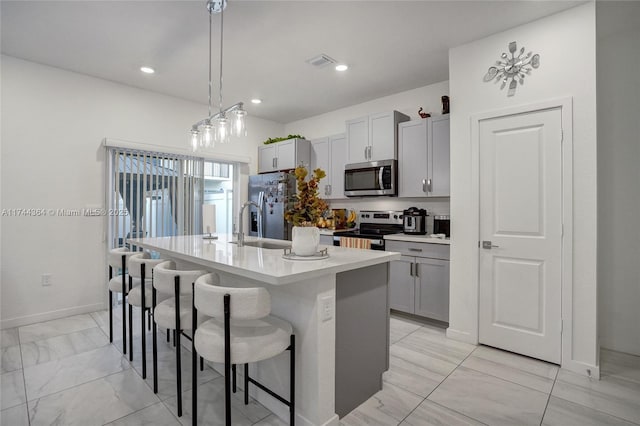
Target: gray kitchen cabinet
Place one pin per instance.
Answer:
(358, 140)
(374, 137)
(423, 157)
(285, 155)
(266, 158)
(419, 281)
(432, 288)
(329, 153)
(402, 286)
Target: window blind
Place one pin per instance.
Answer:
(152, 194)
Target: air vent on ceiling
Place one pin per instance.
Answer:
(321, 61)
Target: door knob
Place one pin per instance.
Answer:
(488, 245)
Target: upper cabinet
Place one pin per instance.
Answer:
(329, 154)
(285, 155)
(374, 137)
(423, 163)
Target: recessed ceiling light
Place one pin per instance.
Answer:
(147, 70)
(256, 101)
(341, 67)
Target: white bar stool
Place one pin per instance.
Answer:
(141, 267)
(178, 287)
(117, 260)
(241, 331)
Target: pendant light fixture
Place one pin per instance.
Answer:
(218, 126)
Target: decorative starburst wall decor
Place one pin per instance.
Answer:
(512, 69)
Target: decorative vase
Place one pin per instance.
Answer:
(305, 240)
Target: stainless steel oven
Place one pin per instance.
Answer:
(374, 225)
(373, 178)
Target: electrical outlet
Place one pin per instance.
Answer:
(46, 279)
(326, 308)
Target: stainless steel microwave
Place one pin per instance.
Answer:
(372, 178)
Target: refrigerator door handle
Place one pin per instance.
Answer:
(260, 213)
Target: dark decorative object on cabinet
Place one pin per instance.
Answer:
(445, 105)
(423, 114)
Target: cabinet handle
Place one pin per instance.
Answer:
(370, 150)
(417, 270)
(329, 187)
(276, 161)
(424, 185)
(429, 185)
(365, 152)
(411, 269)
(273, 162)
(414, 249)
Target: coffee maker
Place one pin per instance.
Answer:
(414, 221)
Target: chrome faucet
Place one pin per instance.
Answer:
(240, 225)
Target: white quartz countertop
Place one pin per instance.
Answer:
(417, 239)
(266, 265)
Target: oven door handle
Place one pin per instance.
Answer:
(377, 242)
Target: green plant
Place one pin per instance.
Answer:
(307, 206)
(274, 140)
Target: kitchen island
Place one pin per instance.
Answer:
(338, 307)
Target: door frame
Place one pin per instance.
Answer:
(566, 110)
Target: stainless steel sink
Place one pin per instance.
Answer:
(266, 244)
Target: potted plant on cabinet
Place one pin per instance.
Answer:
(306, 210)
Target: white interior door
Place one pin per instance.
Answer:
(521, 233)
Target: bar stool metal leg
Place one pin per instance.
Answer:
(154, 343)
(233, 370)
(178, 359)
(124, 307)
(110, 307)
(130, 324)
(142, 312)
(292, 384)
(246, 384)
(194, 357)
(227, 360)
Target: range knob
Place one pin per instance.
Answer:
(395, 216)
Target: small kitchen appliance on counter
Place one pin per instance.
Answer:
(414, 221)
(441, 225)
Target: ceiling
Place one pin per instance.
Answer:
(390, 46)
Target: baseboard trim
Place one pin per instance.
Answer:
(582, 368)
(51, 315)
(461, 336)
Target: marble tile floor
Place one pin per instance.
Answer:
(65, 372)
(436, 381)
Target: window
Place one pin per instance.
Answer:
(153, 195)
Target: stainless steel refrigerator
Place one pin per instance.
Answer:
(271, 191)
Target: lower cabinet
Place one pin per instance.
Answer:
(420, 285)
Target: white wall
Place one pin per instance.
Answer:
(408, 102)
(53, 122)
(618, 56)
(566, 44)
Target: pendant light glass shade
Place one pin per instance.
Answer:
(217, 127)
(222, 129)
(238, 127)
(207, 136)
(194, 139)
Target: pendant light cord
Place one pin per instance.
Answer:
(221, 38)
(210, 84)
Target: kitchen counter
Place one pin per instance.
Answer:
(339, 309)
(264, 265)
(417, 239)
